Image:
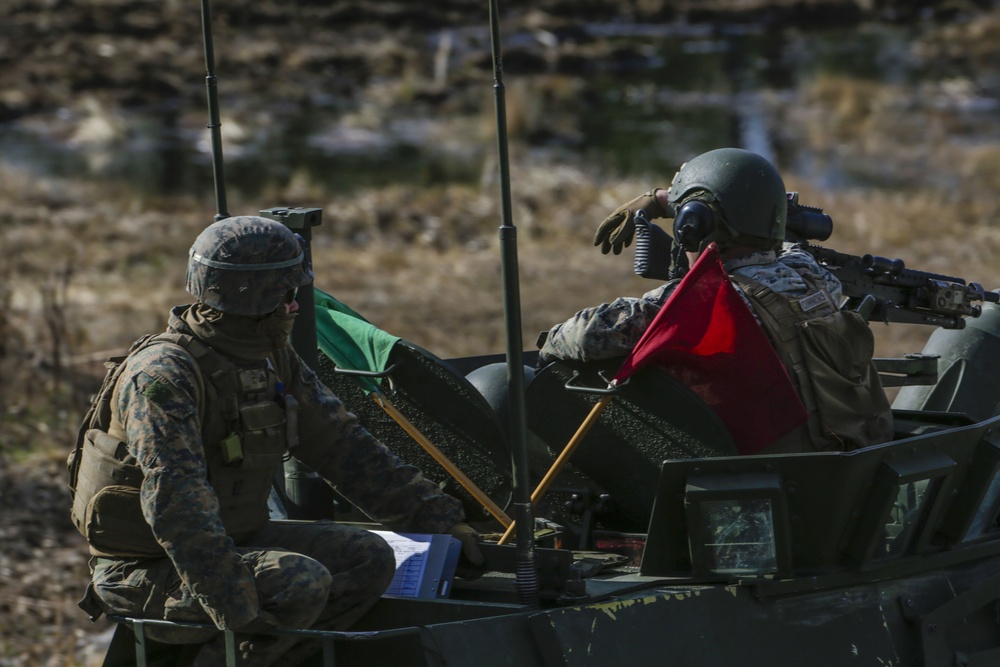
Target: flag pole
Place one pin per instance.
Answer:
(557, 465)
(442, 459)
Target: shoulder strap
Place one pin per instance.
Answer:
(778, 317)
(218, 385)
(818, 303)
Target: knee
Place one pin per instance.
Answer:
(370, 582)
(294, 588)
(384, 562)
(379, 561)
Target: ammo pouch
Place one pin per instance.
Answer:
(104, 480)
(243, 483)
(837, 351)
(106, 507)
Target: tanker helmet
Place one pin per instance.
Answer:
(743, 189)
(246, 265)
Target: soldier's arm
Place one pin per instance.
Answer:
(334, 444)
(157, 405)
(605, 331)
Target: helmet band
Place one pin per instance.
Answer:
(230, 266)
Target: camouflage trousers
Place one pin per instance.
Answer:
(318, 575)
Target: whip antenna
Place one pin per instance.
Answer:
(527, 577)
(214, 123)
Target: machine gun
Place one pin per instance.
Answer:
(883, 289)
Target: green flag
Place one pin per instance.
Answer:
(349, 340)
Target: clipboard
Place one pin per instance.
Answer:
(425, 564)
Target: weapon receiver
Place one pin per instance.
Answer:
(900, 294)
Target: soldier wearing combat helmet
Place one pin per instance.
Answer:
(737, 200)
(176, 458)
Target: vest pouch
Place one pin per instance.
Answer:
(98, 465)
(837, 351)
(115, 524)
(263, 435)
(106, 507)
(243, 489)
(261, 415)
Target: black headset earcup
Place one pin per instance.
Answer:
(693, 223)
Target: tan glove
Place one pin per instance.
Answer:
(469, 538)
(618, 229)
(471, 565)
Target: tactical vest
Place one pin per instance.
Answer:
(243, 434)
(828, 354)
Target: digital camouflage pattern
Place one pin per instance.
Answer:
(612, 329)
(325, 576)
(232, 581)
(245, 265)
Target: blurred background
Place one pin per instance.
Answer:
(885, 113)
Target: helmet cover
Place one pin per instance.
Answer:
(246, 265)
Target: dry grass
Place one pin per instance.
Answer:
(82, 278)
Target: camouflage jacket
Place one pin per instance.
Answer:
(612, 329)
(156, 403)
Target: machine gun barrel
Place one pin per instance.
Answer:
(899, 294)
(902, 294)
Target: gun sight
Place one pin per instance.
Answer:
(806, 223)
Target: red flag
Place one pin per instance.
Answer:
(706, 336)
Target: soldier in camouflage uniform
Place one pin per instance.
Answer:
(613, 329)
(201, 418)
(737, 200)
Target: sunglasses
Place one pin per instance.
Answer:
(290, 297)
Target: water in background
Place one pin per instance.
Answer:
(664, 93)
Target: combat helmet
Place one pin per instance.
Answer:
(246, 265)
(743, 189)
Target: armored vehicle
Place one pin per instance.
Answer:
(658, 545)
(652, 540)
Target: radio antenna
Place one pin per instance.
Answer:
(214, 123)
(527, 577)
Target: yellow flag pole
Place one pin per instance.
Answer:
(440, 457)
(574, 442)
